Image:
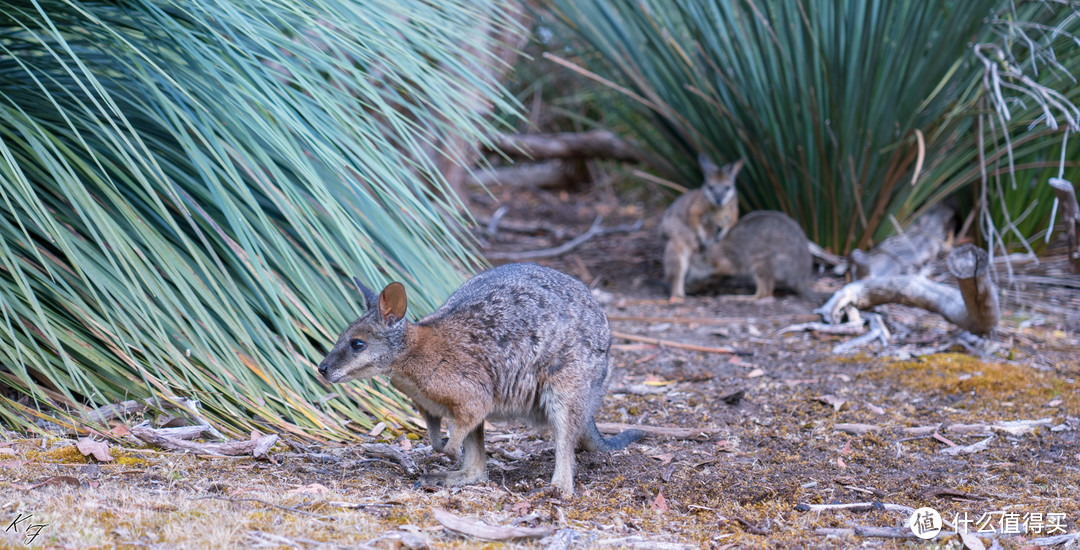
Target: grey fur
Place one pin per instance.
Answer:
(518, 342)
(770, 247)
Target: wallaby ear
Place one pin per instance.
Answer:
(733, 169)
(369, 295)
(707, 166)
(392, 303)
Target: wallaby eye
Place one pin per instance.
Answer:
(357, 344)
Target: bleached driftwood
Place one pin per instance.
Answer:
(1070, 216)
(973, 306)
(908, 251)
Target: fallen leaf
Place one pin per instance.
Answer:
(756, 373)
(660, 503)
(971, 542)
(664, 458)
(725, 446)
(378, 429)
(840, 463)
(406, 444)
(847, 448)
(481, 530)
(833, 400)
(967, 449)
(120, 430)
(313, 488)
(1055, 403)
(733, 398)
(874, 408)
(99, 449)
(653, 380)
(855, 428)
(56, 480)
(521, 508)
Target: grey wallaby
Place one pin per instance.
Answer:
(696, 218)
(517, 342)
(770, 247)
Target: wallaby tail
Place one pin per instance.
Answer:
(592, 440)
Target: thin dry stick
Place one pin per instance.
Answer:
(703, 320)
(669, 343)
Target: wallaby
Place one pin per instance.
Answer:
(770, 247)
(696, 218)
(517, 342)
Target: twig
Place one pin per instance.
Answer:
(594, 230)
(657, 431)
(390, 452)
(856, 507)
(669, 343)
(255, 447)
(878, 331)
(1055, 540)
(271, 504)
(704, 320)
(493, 223)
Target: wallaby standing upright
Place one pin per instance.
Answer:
(696, 218)
(770, 247)
(519, 341)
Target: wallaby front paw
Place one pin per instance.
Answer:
(439, 444)
(437, 479)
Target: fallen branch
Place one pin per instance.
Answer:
(972, 307)
(484, 531)
(1055, 540)
(856, 507)
(552, 174)
(878, 331)
(657, 431)
(392, 453)
(1070, 216)
(256, 447)
(909, 250)
(115, 410)
(567, 145)
(870, 531)
(669, 343)
(594, 230)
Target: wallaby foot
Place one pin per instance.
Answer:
(455, 478)
(474, 464)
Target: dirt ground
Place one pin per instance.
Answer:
(775, 428)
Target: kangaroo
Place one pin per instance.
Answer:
(517, 342)
(695, 219)
(771, 247)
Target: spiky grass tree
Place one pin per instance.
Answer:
(852, 115)
(187, 187)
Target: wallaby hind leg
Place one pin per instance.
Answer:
(676, 264)
(473, 465)
(434, 430)
(765, 284)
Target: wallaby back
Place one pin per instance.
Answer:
(518, 342)
(771, 247)
(696, 218)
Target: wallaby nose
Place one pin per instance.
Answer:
(322, 369)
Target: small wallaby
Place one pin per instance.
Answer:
(770, 247)
(517, 342)
(696, 218)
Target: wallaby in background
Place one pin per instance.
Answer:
(517, 342)
(770, 247)
(696, 218)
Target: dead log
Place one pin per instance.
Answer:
(973, 306)
(552, 174)
(909, 250)
(568, 145)
(1070, 217)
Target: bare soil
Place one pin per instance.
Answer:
(762, 453)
